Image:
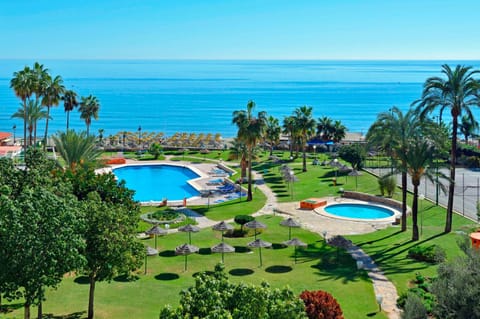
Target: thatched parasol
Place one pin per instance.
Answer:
(189, 229)
(295, 242)
(254, 224)
(149, 252)
(222, 227)
(156, 230)
(222, 248)
(258, 243)
(186, 250)
(289, 222)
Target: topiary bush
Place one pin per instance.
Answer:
(433, 254)
(242, 220)
(321, 305)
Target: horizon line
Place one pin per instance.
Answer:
(239, 59)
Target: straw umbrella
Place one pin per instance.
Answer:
(156, 230)
(254, 224)
(295, 242)
(258, 243)
(223, 248)
(189, 229)
(186, 250)
(149, 252)
(356, 174)
(289, 222)
(222, 227)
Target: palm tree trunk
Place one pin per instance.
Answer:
(68, 119)
(26, 310)
(40, 310)
(415, 213)
(249, 193)
(451, 188)
(291, 145)
(244, 165)
(24, 125)
(91, 297)
(88, 129)
(46, 129)
(404, 201)
(271, 149)
(304, 157)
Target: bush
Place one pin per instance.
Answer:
(242, 220)
(321, 305)
(422, 291)
(432, 254)
(387, 185)
(414, 308)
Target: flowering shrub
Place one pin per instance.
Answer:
(321, 305)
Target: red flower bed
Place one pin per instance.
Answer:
(116, 161)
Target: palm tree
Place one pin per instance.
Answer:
(468, 126)
(306, 124)
(34, 112)
(22, 84)
(458, 92)
(290, 128)
(339, 131)
(240, 150)
(390, 132)
(89, 107)
(272, 132)
(69, 103)
(250, 131)
(325, 128)
(51, 97)
(418, 157)
(76, 148)
(40, 78)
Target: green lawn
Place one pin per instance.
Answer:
(318, 267)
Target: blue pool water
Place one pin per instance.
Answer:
(156, 182)
(358, 211)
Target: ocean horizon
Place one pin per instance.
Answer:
(199, 96)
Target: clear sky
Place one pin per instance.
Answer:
(240, 29)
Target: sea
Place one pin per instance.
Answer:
(199, 96)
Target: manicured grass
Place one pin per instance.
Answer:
(318, 267)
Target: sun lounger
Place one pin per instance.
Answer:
(218, 181)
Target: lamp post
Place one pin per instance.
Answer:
(14, 127)
(335, 161)
(379, 299)
(314, 151)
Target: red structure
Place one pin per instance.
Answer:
(312, 203)
(475, 237)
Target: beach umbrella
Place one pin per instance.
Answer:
(186, 250)
(149, 252)
(189, 229)
(295, 242)
(223, 248)
(356, 174)
(258, 243)
(222, 227)
(289, 222)
(254, 224)
(156, 230)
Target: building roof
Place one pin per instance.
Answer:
(4, 136)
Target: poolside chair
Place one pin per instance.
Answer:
(218, 181)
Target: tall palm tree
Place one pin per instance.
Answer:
(250, 131)
(34, 112)
(69, 103)
(418, 157)
(468, 126)
(306, 124)
(325, 128)
(40, 78)
(22, 84)
(272, 132)
(76, 148)
(290, 128)
(240, 150)
(458, 92)
(339, 131)
(391, 132)
(51, 97)
(89, 107)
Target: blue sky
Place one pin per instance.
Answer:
(243, 29)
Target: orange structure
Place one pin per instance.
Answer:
(312, 203)
(475, 237)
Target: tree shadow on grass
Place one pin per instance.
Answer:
(241, 272)
(82, 280)
(378, 239)
(167, 253)
(73, 315)
(10, 307)
(126, 278)
(279, 246)
(167, 276)
(242, 249)
(278, 269)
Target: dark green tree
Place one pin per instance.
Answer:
(89, 107)
(155, 149)
(69, 103)
(272, 132)
(354, 154)
(306, 125)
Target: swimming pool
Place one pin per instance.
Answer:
(157, 182)
(359, 211)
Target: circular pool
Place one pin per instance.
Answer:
(158, 182)
(358, 211)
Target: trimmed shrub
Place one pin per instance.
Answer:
(321, 305)
(433, 254)
(387, 185)
(414, 308)
(242, 220)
